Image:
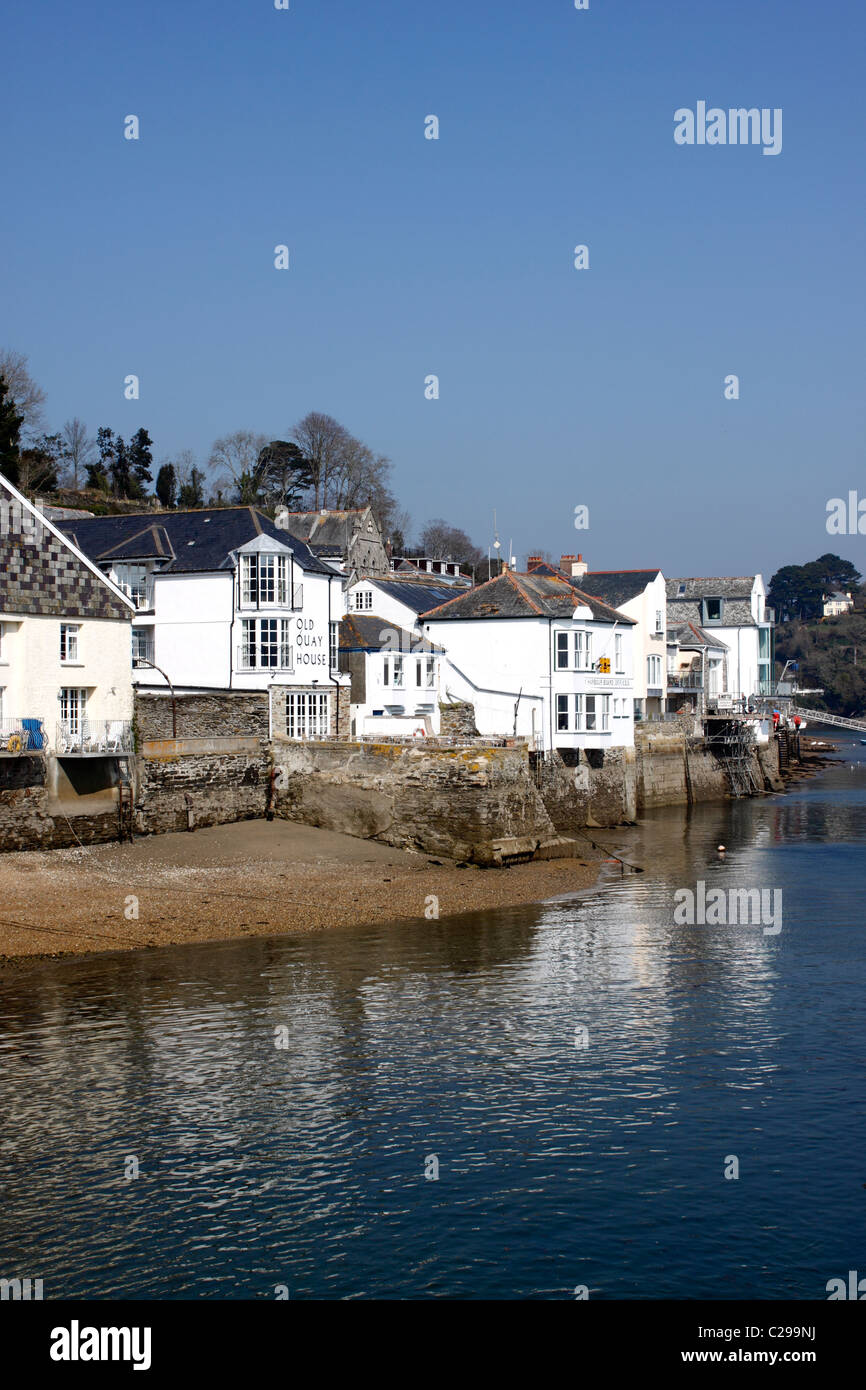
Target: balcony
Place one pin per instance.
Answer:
(93, 738)
(686, 680)
(257, 659)
(22, 736)
(260, 602)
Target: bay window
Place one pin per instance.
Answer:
(265, 643)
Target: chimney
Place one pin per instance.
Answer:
(578, 568)
(565, 563)
(533, 562)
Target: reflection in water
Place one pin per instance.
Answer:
(303, 1164)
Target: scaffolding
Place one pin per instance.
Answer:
(733, 743)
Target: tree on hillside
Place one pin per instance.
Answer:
(28, 397)
(322, 441)
(283, 474)
(78, 449)
(10, 433)
(797, 591)
(166, 486)
(191, 493)
(234, 461)
(121, 470)
(140, 454)
(39, 465)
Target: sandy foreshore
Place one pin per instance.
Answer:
(254, 878)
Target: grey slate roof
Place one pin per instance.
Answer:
(532, 595)
(725, 586)
(192, 542)
(690, 635)
(331, 529)
(419, 595)
(611, 586)
(369, 633)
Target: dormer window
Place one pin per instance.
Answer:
(265, 580)
(681, 591)
(713, 610)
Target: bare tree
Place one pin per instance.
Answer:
(28, 397)
(323, 441)
(79, 450)
(441, 541)
(234, 461)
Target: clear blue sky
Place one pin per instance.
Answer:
(410, 256)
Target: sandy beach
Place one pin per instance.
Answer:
(253, 878)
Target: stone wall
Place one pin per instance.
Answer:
(457, 719)
(31, 817)
(578, 791)
(460, 802)
(674, 767)
(218, 714)
(183, 788)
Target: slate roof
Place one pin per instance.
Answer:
(331, 529)
(726, 586)
(192, 542)
(418, 594)
(689, 635)
(532, 595)
(611, 586)
(364, 633)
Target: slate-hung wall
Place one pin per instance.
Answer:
(41, 576)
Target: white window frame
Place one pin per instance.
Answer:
(617, 653)
(264, 581)
(363, 600)
(266, 637)
(133, 579)
(334, 646)
(73, 705)
(69, 650)
(308, 714)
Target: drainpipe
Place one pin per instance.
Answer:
(331, 676)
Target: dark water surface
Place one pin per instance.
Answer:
(559, 1165)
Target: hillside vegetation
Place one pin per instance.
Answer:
(826, 651)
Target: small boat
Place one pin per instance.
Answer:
(863, 740)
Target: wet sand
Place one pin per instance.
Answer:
(253, 878)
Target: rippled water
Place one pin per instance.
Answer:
(559, 1165)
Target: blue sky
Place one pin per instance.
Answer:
(455, 257)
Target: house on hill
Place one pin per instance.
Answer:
(539, 658)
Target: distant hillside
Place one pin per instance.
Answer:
(826, 656)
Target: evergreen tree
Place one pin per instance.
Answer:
(166, 486)
(121, 472)
(192, 493)
(140, 455)
(10, 433)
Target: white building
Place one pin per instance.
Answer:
(538, 658)
(733, 611)
(226, 601)
(837, 603)
(65, 678)
(394, 675)
(641, 595)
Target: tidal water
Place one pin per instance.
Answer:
(287, 1103)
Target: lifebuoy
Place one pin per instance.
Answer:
(419, 733)
(15, 744)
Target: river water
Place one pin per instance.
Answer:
(288, 1103)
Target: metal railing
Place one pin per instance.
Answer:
(250, 659)
(22, 736)
(292, 599)
(91, 737)
(689, 680)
